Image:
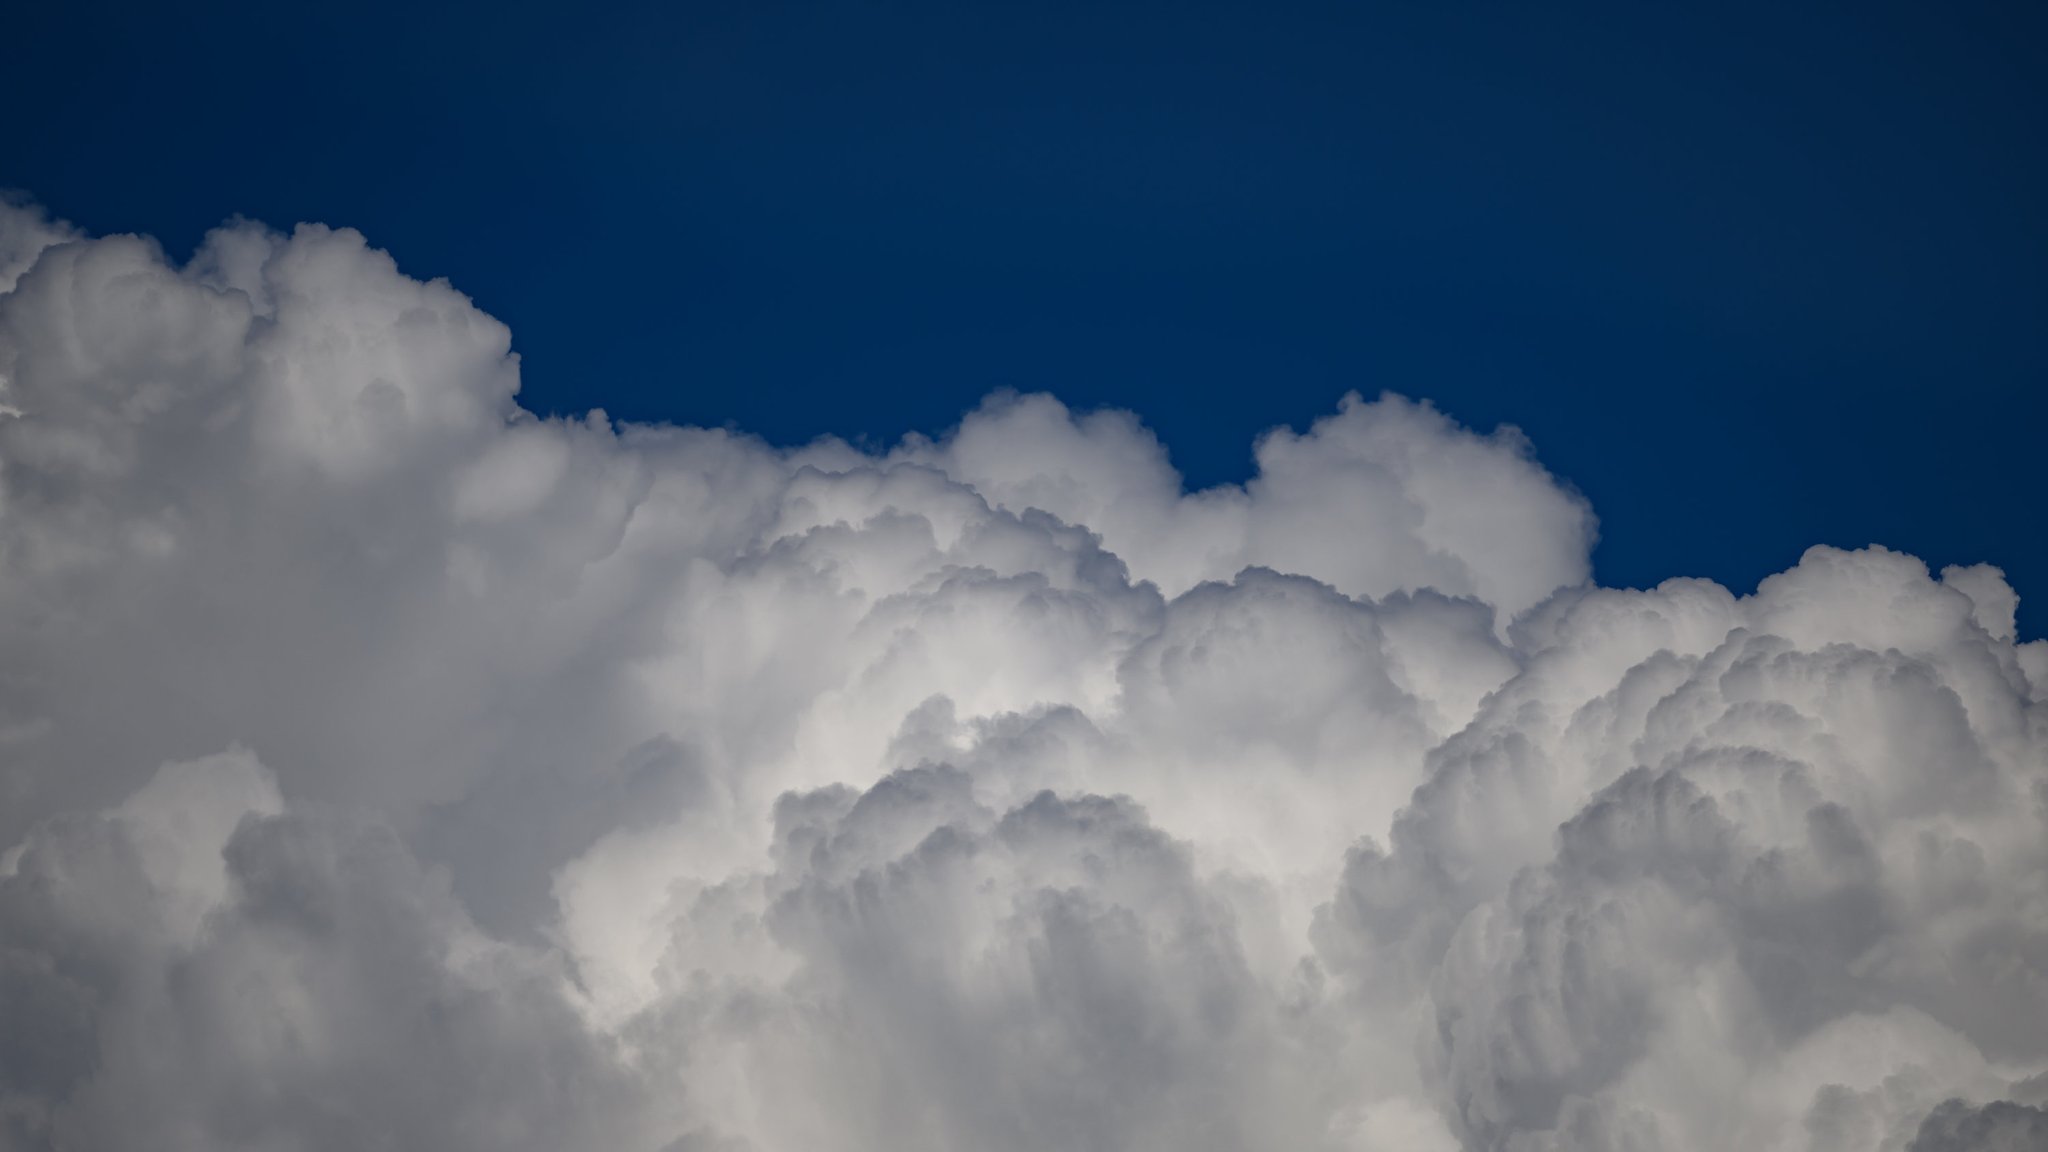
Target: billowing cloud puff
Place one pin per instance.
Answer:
(384, 766)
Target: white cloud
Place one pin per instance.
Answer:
(648, 787)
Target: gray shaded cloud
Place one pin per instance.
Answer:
(2000, 1126)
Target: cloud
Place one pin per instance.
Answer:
(387, 766)
(1997, 1127)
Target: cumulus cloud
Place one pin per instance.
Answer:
(385, 766)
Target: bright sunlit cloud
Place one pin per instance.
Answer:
(385, 766)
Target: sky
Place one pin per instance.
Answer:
(1751, 276)
(889, 580)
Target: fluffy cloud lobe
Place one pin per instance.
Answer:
(387, 767)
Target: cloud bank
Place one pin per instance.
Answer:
(386, 767)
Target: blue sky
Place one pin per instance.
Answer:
(1753, 277)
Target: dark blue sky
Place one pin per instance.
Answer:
(1753, 276)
